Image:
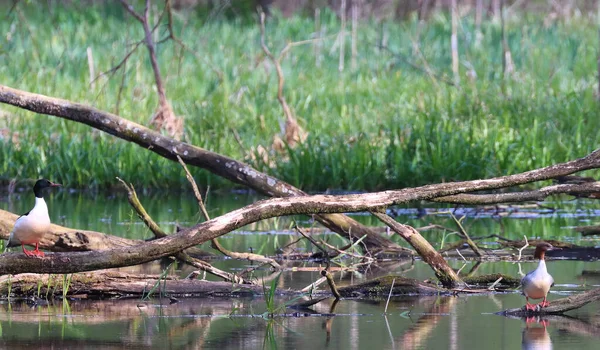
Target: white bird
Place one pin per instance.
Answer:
(31, 227)
(537, 283)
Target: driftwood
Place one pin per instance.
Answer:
(107, 284)
(506, 281)
(241, 173)
(115, 284)
(579, 190)
(169, 148)
(557, 307)
(375, 202)
(64, 239)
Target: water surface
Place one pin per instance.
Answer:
(463, 322)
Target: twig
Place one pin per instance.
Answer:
(313, 285)
(354, 49)
(311, 240)
(215, 243)
(90, 57)
(158, 232)
(521, 249)
(342, 35)
(465, 235)
(164, 116)
(495, 283)
(344, 252)
(404, 59)
(293, 131)
(454, 42)
(458, 251)
(389, 296)
(120, 64)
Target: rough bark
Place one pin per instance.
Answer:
(64, 239)
(485, 280)
(110, 284)
(169, 148)
(558, 306)
(444, 273)
(68, 263)
(578, 190)
(107, 284)
(382, 285)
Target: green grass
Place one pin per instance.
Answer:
(383, 125)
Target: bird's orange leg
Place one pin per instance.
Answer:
(528, 306)
(27, 252)
(544, 303)
(37, 252)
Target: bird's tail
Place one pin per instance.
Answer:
(12, 241)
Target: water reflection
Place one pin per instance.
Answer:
(536, 337)
(209, 323)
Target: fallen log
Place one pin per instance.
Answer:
(115, 284)
(485, 280)
(64, 239)
(557, 307)
(170, 148)
(588, 230)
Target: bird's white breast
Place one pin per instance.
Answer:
(31, 228)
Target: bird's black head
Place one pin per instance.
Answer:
(41, 185)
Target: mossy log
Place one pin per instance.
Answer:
(111, 284)
(485, 280)
(557, 307)
(116, 284)
(382, 285)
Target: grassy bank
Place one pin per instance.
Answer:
(381, 125)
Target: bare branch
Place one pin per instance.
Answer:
(132, 12)
(584, 189)
(215, 243)
(182, 256)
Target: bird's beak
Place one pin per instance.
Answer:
(54, 184)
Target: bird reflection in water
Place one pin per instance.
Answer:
(536, 337)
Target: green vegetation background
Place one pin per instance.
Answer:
(381, 125)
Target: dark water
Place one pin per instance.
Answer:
(464, 322)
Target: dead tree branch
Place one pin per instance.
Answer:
(294, 133)
(215, 243)
(465, 235)
(445, 274)
(169, 148)
(558, 306)
(164, 116)
(579, 190)
(63, 239)
(76, 262)
(182, 256)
